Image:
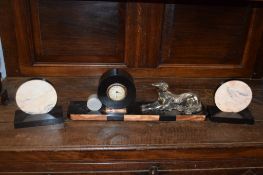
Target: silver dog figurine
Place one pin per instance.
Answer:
(186, 103)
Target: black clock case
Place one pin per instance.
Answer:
(116, 76)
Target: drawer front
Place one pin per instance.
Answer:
(246, 167)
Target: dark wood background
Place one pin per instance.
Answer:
(149, 39)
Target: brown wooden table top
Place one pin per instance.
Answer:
(84, 135)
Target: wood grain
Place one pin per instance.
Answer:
(258, 71)
(188, 30)
(144, 167)
(80, 28)
(144, 22)
(8, 38)
(163, 39)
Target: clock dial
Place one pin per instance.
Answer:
(116, 92)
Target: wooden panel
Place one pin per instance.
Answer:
(258, 71)
(8, 38)
(143, 23)
(220, 39)
(78, 31)
(85, 38)
(134, 167)
(204, 34)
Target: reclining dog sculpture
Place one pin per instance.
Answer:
(186, 103)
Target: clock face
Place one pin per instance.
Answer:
(116, 92)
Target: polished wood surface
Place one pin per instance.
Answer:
(132, 147)
(79, 31)
(149, 39)
(8, 38)
(203, 34)
(258, 71)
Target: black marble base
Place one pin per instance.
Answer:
(80, 107)
(243, 117)
(24, 120)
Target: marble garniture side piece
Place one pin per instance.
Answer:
(36, 97)
(186, 103)
(233, 96)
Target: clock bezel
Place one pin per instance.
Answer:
(117, 84)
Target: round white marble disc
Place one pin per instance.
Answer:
(233, 96)
(36, 97)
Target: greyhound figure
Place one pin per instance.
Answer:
(186, 103)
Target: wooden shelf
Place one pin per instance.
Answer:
(132, 146)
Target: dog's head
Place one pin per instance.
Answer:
(163, 86)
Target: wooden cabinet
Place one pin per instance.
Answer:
(149, 39)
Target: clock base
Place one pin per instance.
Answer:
(78, 111)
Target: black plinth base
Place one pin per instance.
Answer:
(24, 120)
(78, 111)
(243, 117)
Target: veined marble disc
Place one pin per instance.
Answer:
(36, 97)
(233, 96)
